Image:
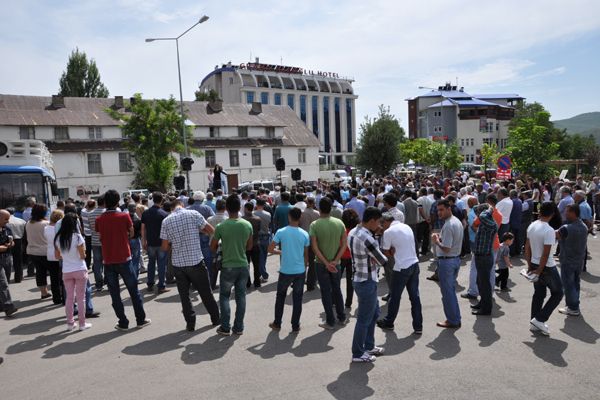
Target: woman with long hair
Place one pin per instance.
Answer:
(70, 247)
(49, 233)
(37, 248)
(350, 220)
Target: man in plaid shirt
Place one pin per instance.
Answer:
(366, 259)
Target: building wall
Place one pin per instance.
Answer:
(468, 132)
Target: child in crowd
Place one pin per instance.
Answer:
(503, 261)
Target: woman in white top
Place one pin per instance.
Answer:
(70, 247)
(49, 233)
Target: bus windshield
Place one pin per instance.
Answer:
(16, 188)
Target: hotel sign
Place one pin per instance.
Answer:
(287, 70)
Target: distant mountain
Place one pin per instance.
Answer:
(584, 124)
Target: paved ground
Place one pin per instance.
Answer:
(489, 358)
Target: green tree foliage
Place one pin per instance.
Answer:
(489, 155)
(452, 158)
(575, 146)
(378, 148)
(530, 146)
(416, 150)
(211, 95)
(430, 153)
(153, 132)
(81, 78)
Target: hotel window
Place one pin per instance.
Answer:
(95, 132)
(61, 133)
(213, 132)
(301, 156)
(338, 127)
(315, 115)
(255, 156)
(27, 132)
(326, 124)
(291, 101)
(234, 158)
(242, 131)
(303, 108)
(276, 155)
(349, 124)
(210, 160)
(277, 99)
(270, 132)
(125, 164)
(249, 97)
(264, 98)
(94, 163)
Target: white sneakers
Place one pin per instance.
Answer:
(70, 327)
(537, 326)
(85, 326)
(568, 311)
(365, 358)
(376, 351)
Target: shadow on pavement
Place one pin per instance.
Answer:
(445, 346)
(38, 343)
(549, 350)
(317, 343)
(485, 330)
(80, 346)
(579, 329)
(352, 384)
(37, 327)
(213, 348)
(163, 344)
(589, 278)
(394, 345)
(273, 345)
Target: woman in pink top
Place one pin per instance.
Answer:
(70, 247)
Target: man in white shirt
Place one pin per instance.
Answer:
(398, 239)
(504, 207)
(538, 254)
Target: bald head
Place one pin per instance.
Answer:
(4, 217)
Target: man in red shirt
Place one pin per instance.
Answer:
(115, 228)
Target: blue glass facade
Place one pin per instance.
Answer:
(326, 123)
(303, 108)
(338, 127)
(264, 98)
(249, 97)
(277, 99)
(291, 101)
(315, 115)
(349, 124)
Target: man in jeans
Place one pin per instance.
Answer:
(264, 236)
(97, 265)
(328, 241)
(152, 220)
(179, 233)
(540, 239)
(293, 244)
(309, 215)
(397, 242)
(235, 234)
(6, 244)
(484, 258)
(115, 228)
(573, 242)
(366, 259)
(448, 245)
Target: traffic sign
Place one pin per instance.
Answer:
(504, 162)
(502, 173)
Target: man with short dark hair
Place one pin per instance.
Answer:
(253, 254)
(310, 215)
(355, 204)
(97, 265)
(264, 236)
(280, 218)
(152, 220)
(484, 258)
(114, 229)
(215, 220)
(179, 233)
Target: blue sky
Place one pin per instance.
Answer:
(546, 51)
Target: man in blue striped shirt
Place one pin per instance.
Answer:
(366, 259)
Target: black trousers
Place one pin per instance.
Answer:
(17, 255)
(43, 268)
(484, 264)
(254, 256)
(423, 236)
(502, 278)
(311, 274)
(346, 264)
(196, 276)
(88, 251)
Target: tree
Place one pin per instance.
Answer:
(436, 154)
(378, 148)
(211, 95)
(592, 158)
(416, 150)
(153, 132)
(452, 158)
(489, 155)
(81, 78)
(529, 146)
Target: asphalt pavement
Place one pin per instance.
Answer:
(493, 357)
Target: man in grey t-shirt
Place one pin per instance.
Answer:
(264, 237)
(448, 244)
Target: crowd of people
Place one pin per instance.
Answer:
(210, 241)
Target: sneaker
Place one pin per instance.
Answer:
(274, 326)
(296, 329)
(150, 289)
(365, 358)
(223, 332)
(93, 314)
(264, 280)
(543, 328)
(468, 296)
(85, 326)
(376, 351)
(121, 328)
(418, 332)
(237, 333)
(163, 290)
(11, 312)
(146, 322)
(325, 325)
(98, 289)
(568, 311)
(386, 297)
(70, 327)
(344, 321)
(384, 325)
(533, 329)
(190, 327)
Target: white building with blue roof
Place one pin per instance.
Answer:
(451, 115)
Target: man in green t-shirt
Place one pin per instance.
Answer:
(328, 241)
(235, 235)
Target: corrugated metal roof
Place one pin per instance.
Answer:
(464, 103)
(499, 96)
(18, 110)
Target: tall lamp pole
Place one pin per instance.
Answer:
(204, 18)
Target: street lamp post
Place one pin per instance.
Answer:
(176, 39)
